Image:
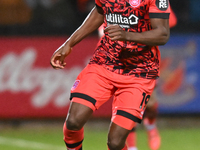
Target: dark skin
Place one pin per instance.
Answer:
(158, 36)
(91, 23)
(78, 113)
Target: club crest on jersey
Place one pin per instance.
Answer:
(162, 4)
(134, 3)
(75, 85)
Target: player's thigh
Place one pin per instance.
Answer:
(91, 89)
(77, 116)
(129, 103)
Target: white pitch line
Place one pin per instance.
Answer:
(28, 144)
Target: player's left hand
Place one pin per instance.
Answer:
(115, 32)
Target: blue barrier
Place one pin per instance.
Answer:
(178, 88)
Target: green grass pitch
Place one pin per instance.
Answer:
(36, 137)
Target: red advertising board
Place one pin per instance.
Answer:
(30, 87)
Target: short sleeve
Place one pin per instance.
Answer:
(159, 9)
(98, 3)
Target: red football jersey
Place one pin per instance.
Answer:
(124, 57)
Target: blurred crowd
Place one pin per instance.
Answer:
(61, 17)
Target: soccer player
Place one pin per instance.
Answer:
(125, 65)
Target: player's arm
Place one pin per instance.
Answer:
(90, 24)
(159, 34)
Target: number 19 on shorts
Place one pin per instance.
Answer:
(144, 100)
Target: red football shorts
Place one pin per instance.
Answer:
(95, 85)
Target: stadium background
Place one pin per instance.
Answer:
(34, 99)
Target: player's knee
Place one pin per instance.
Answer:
(115, 144)
(73, 124)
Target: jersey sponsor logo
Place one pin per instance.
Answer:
(124, 22)
(162, 4)
(134, 3)
(75, 85)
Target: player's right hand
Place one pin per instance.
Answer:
(58, 57)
